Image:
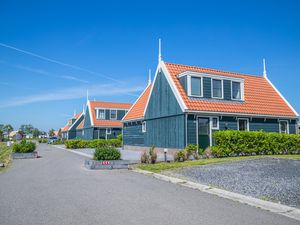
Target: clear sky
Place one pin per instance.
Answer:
(108, 47)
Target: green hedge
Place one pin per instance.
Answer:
(237, 143)
(24, 147)
(75, 144)
(106, 153)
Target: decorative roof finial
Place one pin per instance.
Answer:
(83, 107)
(265, 70)
(149, 79)
(74, 112)
(159, 50)
(87, 95)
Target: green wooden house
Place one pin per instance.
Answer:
(186, 104)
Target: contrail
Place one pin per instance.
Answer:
(58, 62)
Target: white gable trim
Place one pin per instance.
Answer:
(162, 66)
(291, 107)
(90, 112)
(76, 121)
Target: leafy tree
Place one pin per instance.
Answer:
(35, 132)
(51, 132)
(27, 128)
(8, 128)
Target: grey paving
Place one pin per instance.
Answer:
(56, 189)
(276, 180)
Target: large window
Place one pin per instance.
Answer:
(196, 86)
(283, 127)
(243, 124)
(101, 114)
(113, 114)
(217, 89)
(236, 90)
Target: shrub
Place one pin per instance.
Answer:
(192, 150)
(107, 153)
(238, 143)
(24, 147)
(120, 137)
(42, 140)
(180, 156)
(145, 157)
(153, 155)
(96, 143)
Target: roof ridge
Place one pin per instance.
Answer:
(215, 70)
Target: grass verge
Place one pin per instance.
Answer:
(5, 156)
(158, 167)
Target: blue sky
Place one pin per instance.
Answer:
(108, 47)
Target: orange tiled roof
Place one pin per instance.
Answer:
(80, 126)
(137, 110)
(67, 127)
(259, 95)
(109, 105)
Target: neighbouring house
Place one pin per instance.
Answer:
(186, 104)
(102, 120)
(15, 135)
(68, 132)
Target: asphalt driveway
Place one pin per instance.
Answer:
(276, 180)
(57, 189)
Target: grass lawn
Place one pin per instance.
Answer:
(158, 167)
(5, 156)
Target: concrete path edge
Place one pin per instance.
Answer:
(277, 208)
(76, 152)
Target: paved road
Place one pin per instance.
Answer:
(56, 189)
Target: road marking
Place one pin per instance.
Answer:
(277, 208)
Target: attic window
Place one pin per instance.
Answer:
(113, 114)
(217, 88)
(196, 86)
(101, 114)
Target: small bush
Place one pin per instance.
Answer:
(192, 150)
(145, 158)
(107, 153)
(24, 147)
(180, 156)
(153, 155)
(42, 140)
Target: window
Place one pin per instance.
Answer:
(236, 90)
(196, 86)
(243, 124)
(144, 127)
(82, 132)
(113, 114)
(108, 130)
(215, 123)
(217, 88)
(101, 114)
(283, 127)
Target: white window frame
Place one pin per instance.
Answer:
(108, 129)
(287, 126)
(144, 126)
(212, 124)
(189, 86)
(242, 91)
(98, 114)
(116, 114)
(238, 123)
(212, 88)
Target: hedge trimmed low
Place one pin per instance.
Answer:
(75, 144)
(238, 143)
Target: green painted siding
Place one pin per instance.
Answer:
(228, 123)
(107, 114)
(164, 117)
(72, 131)
(87, 120)
(293, 127)
(132, 134)
(191, 129)
(227, 89)
(166, 132)
(206, 87)
(162, 100)
(88, 133)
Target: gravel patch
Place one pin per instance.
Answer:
(276, 180)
